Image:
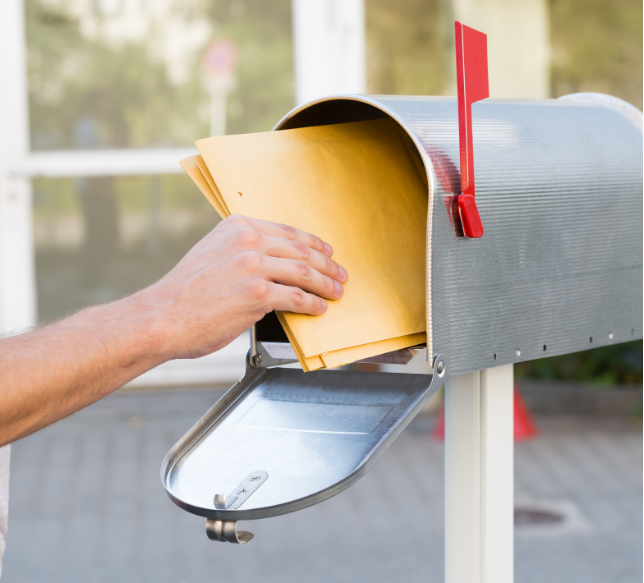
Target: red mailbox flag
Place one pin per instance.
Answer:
(472, 80)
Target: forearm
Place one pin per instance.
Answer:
(54, 371)
(239, 272)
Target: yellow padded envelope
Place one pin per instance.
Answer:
(355, 186)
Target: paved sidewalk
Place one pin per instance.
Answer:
(87, 506)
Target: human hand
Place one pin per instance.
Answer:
(243, 269)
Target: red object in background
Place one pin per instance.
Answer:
(220, 58)
(524, 427)
(473, 85)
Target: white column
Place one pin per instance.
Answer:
(518, 44)
(479, 482)
(329, 48)
(17, 275)
(497, 474)
(463, 479)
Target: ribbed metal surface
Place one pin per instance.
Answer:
(559, 190)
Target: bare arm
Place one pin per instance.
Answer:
(239, 272)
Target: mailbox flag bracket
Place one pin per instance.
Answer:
(473, 85)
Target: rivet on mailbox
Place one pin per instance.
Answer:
(561, 263)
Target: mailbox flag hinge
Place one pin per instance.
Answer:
(473, 85)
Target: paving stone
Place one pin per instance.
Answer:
(87, 505)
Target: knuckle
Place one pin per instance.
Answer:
(304, 269)
(302, 249)
(317, 243)
(329, 286)
(298, 297)
(248, 237)
(235, 220)
(259, 290)
(251, 261)
(288, 231)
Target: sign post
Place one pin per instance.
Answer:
(219, 62)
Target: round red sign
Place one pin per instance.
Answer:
(220, 57)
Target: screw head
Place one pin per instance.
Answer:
(254, 478)
(440, 368)
(241, 491)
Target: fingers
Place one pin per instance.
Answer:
(292, 299)
(292, 270)
(285, 242)
(292, 234)
(295, 250)
(294, 273)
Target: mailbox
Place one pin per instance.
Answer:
(558, 270)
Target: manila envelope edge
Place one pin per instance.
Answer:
(348, 355)
(351, 354)
(308, 364)
(206, 174)
(192, 169)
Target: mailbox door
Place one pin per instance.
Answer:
(303, 437)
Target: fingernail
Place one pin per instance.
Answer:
(324, 303)
(339, 290)
(328, 249)
(343, 273)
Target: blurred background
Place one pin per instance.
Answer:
(110, 75)
(102, 97)
(132, 74)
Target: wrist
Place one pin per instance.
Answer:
(151, 318)
(128, 334)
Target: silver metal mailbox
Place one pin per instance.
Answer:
(559, 190)
(558, 270)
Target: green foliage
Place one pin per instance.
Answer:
(128, 91)
(605, 366)
(597, 46)
(123, 87)
(265, 85)
(407, 47)
(55, 196)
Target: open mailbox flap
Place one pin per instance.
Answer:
(281, 439)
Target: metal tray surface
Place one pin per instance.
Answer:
(314, 433)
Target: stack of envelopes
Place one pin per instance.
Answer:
(361, 187)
